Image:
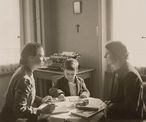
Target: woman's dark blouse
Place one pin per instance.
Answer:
(127, 94)
(21, 95)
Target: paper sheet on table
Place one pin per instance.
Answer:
(58, 109)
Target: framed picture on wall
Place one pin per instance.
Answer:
(77, 7)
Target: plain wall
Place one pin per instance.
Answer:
(61, 32)
(4, 81)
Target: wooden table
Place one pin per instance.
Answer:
(45, 79)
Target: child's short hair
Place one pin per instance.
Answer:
(71, 64)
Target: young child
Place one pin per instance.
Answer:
(70, 84)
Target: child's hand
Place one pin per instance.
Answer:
(83, 96)
(61, 97)
(47, 99)
(82, 102)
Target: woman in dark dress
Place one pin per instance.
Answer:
(21, 93)
(126, 100)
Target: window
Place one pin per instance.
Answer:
(129, 19)
(9, 32)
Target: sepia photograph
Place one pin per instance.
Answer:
(73, 61)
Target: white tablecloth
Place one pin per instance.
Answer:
(68, 107)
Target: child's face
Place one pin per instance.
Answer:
(70, 74)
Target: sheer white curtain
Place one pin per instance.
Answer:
(129, 19)
(32, 21)
(10, 32)
(21, 22)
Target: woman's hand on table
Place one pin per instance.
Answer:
(107, 105)
(47, 99)
(107, 102)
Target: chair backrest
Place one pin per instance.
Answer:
(144, 87)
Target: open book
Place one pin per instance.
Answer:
(45, 109)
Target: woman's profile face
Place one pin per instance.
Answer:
(39, 58)
(109, 58)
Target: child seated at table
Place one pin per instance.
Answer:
(70, 84)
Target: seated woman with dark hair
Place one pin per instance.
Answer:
(126, 100)
(21, 94)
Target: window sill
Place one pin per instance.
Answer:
(8, 69)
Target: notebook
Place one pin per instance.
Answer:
(86, 113)
(88, 108)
